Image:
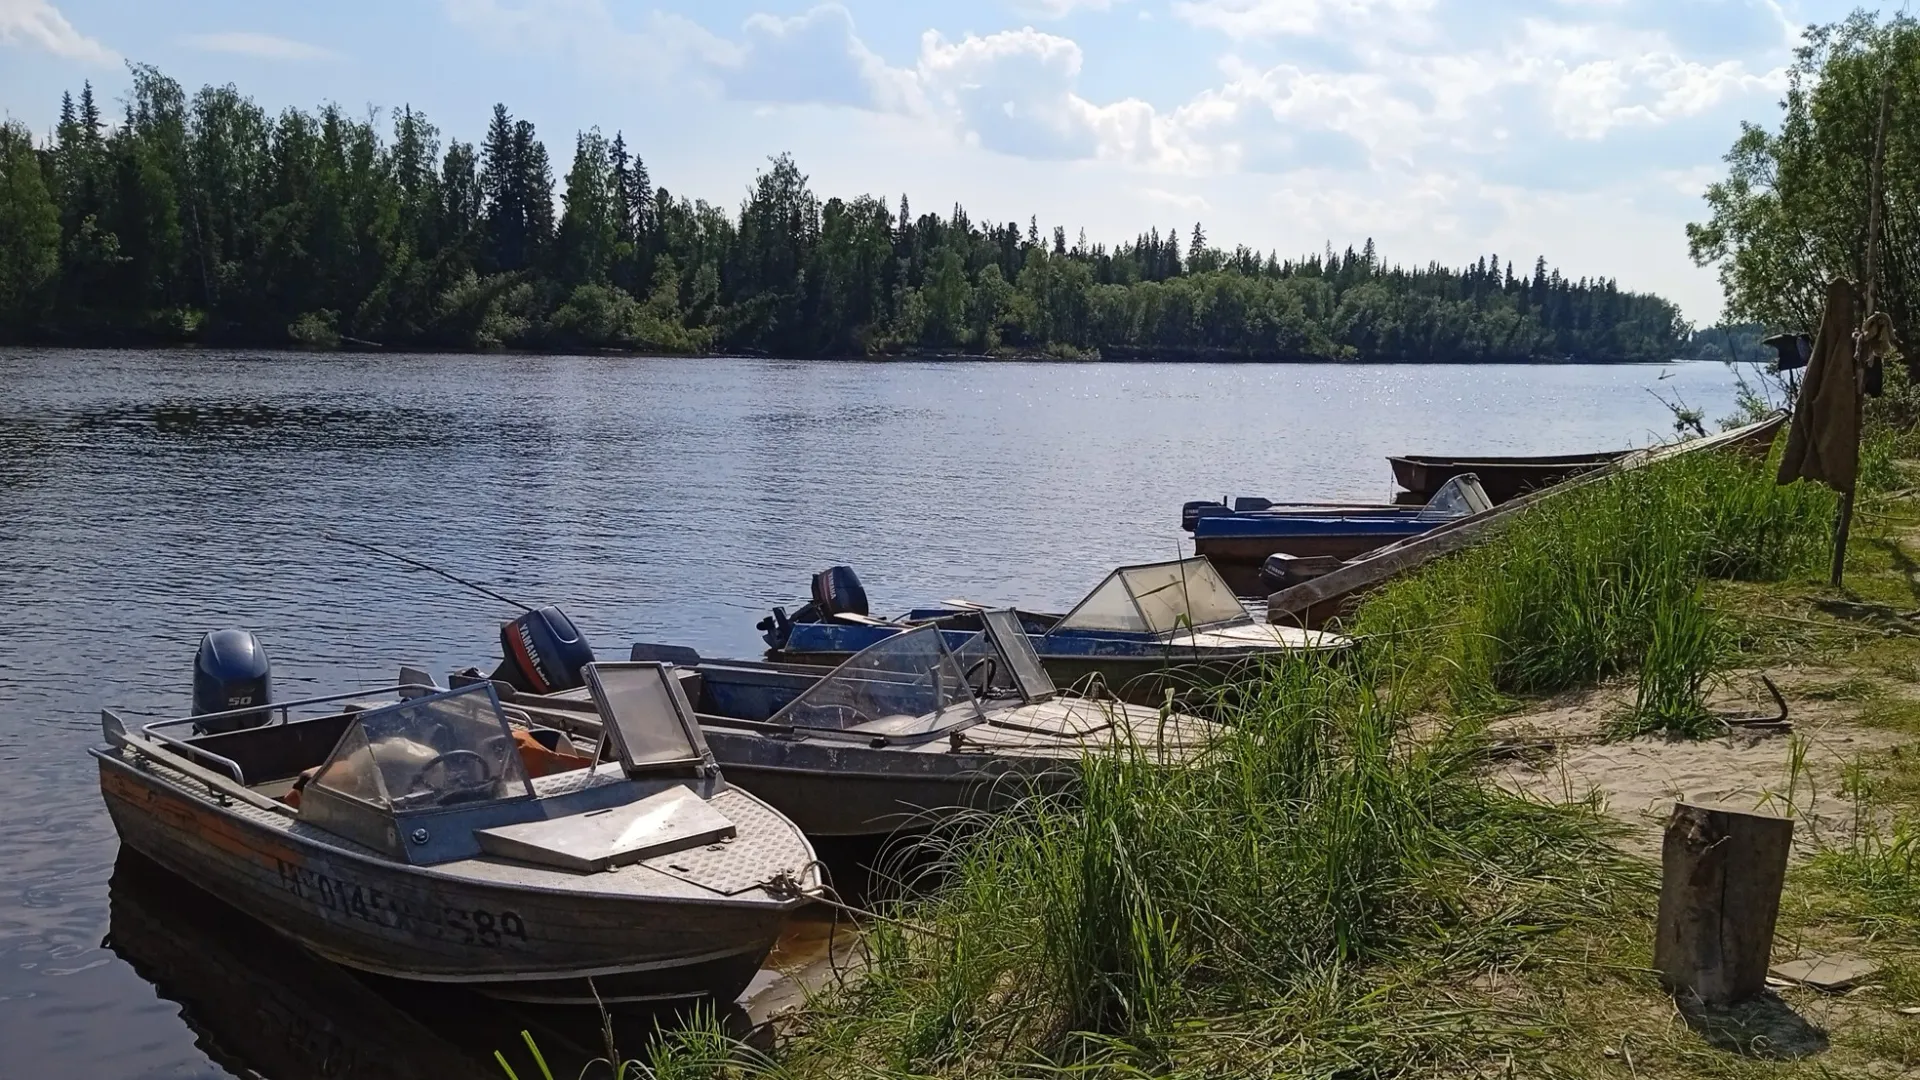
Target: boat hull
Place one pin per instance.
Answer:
(362, 912)
(840, 790)
(1239, 558)
(1502, 478)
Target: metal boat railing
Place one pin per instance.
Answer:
(153, 730)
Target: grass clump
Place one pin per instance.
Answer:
(1283, 905)
(1605, 580)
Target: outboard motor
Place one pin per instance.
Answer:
(231, 671)
(543, 653)
(836, 591)
(1192, 512)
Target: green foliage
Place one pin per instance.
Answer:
(209, 204)
(30, 224)
(1883, 869)
(1792, 211)
(316, 330)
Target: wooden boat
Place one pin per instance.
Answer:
(1502, 478)
(910, 732)
(1239, 539)
(1143, 630)
(407, 836)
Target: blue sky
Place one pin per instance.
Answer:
(1583, 130)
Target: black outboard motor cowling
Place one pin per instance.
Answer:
(837, 591)
(231, 671)
(1192, 512)
(544, 653)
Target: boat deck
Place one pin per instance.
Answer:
(718, 873)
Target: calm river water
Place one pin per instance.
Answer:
(148, 497)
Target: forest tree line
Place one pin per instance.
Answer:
(206, 219)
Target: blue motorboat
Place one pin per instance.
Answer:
(1241, 537)
(1142, 630)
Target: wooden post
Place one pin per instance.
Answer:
(1721, 872)
(1876, 196)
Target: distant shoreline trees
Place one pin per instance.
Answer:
(204, 219)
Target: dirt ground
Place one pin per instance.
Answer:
(1560, 755)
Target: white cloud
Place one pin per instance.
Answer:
(1060, 9)
(39, 24)
(1434, 125)
(814, 58)
(665, 50)
(1179, 200)
(1286, 18)
(1016, 92)
(259, 46)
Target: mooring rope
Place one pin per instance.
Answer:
(786, 884)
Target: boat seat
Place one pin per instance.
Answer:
(290, 788)
(545, 751)
(279, 789)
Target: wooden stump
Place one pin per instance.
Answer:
(1721, 872)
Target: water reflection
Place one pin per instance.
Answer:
(244, 421)
(259, 1005)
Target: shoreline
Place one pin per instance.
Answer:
(918, 356)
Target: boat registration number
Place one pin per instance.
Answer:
(468, 926)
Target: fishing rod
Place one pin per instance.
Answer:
(481, 589)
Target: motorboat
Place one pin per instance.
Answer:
(910, 734)
(439, 835)
(1142, 631)
(1239, 538)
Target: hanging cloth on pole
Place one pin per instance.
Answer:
(1824, 442)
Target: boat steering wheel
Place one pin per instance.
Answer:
(992, 667)
(466, 773)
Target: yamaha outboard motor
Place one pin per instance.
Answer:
(544, 653)
(1191, 512)
(231, 671)
(836, 591)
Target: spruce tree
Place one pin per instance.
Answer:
(536, 185)
(90, 123)
(505, 209)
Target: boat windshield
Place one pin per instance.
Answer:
(1457, 498)
(442, 750)
(1157, 598)
(908, 684)
(647, 715)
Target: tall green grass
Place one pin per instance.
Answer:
(1229, 918)
(1606, 580)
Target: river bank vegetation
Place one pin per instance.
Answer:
(202, 218)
